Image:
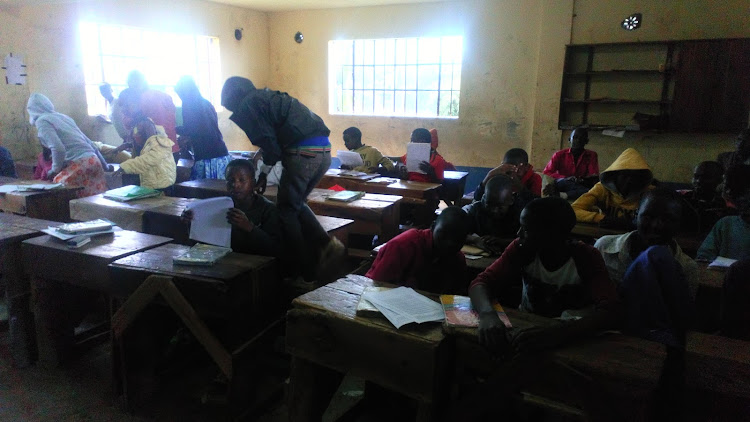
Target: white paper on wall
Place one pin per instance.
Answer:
(15, 70)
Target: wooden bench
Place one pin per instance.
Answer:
(46, 205)
(52, 266)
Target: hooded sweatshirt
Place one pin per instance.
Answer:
(59, 133)
(604, 195)
(155, 165)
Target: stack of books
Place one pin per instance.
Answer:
(76, 235)
(346, 196)
(130, 193)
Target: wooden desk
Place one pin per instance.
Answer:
(242, 290)
(337, 227)
(14, 229)
(335, 177)
(52, 266)
(412, 192)
(324, 334)
(46, 205)
(718, 368)
(454, 184)
(201, 188)
(594, 231)
(128, 215)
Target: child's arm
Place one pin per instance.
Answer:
(265, 237)
(551, 168)
(48, 137)
(585, 207)
(710, 247)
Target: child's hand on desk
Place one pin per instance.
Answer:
(346, 167)
(238, 219)
(428, 169)
(492, 244)
(492, 332)
(51, 175)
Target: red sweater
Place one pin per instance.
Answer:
(508, 271)
(563, 164)
(439, 164)
(408, 260)
(532, 181)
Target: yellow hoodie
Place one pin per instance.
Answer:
(155, 164)
(605, 196)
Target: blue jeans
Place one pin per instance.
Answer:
(304, 236)
(657, 297)
(573, 189)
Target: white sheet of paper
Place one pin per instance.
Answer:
(8, 188)
(615, 133)
(15, 70)
(415, 154)
(349, 158)
(210, 223)
(403, 305)
(722, 262)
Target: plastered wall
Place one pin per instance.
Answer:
(671, 155)
(501, 51)
(47, 36)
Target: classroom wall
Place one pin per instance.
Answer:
(672, 155)
(47, 35)
(500, 63)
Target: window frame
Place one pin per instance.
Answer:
(98, 63)
(401, 77)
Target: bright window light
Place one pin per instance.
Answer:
(395, 76)
(110, 52)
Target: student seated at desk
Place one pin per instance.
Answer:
(730, 236)
(515, 165)
(434, 145)
(657, 281)
(558, 276)
(704, 203)
(434, 171)
(256, 225)
(618, 193)
(494, 221)
(428, 259)
(154, 162)
(7, 167)
(575, 170)
(373, 161)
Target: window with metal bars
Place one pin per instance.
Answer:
(110, 52)
(396, 76)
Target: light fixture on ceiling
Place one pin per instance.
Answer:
(299, 37)
(632, 22)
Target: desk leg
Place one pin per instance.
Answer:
(53, 333)
(17, 298)
(311, 387)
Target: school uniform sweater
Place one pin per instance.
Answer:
(409, 260)
(563, 164)
(581, 282)
(266, 237)
(730, 238)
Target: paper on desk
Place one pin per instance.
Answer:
(415, 154)
(209, 224)
(349, 158)
(721, 262)
(403, 305)
(8, 188)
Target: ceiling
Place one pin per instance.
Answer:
(278, 5)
